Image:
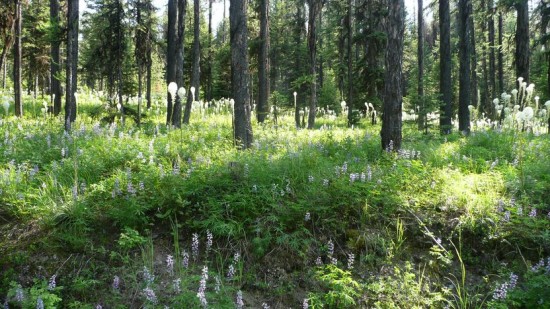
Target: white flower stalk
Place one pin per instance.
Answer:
(181, 93)
(295, 94)
(537, 98)
(172, 89)
(528, 113)
(515, 94)
(193, 92)
(496, 101)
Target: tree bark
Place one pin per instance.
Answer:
(72, 62)
(239, 73)
(500, 55)
(195, 74)
(474, 85)
(209, 62)
(171, 62)
(420, 56)
(314, 8)
(522, 40)
(491, 27)
(393, 98)
(445, 84)
(263, 63)
(464, 69)
(349, 25)
(55, 54)
(17, 60)
(176, 28)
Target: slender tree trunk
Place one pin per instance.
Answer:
(491, 26)
(17, 60)
(474, 85)
(393, 98)
(195, 74)
(209, 64)
(263, 63)
(321, 60)
(445, 84)
(314, 8)
(55, 58)
(522, 40)
(486, 102)
(239, 73)
(71, 62)
(171, 62)
(500, 55)
(464, 70)
(350, 64)
(178, 49)
(298, 42)
(420, 56)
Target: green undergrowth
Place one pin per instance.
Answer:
(322, 216)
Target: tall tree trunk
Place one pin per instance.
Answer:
(209, 62)
(240, 75)
(420, 56)
(393, 98)
(71, 62)
(491, 27)
(171, 56)
(263, 63)
(17, 60)
(195, 74)
(314, 8)
(176, 26)
(464, 69)
(474, 87)
(349, 26)
(298, 42)
(522, 40)
(500, 55)
(486, 101)
(445, 84)
(55, 54)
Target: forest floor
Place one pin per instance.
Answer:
(120, 216)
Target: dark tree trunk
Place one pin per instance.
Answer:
(298, 42)
(474, 98)
(171, 57)
(349, 26)
(176, 72)
(55, 54)
(500, 55)
(393, 98)
(445, 84)
(420, 56)
(209, 62)
(17, 60)
(522, 40)
(464, 70)
(240, 78)
(491, 27)
(486, 102)
(263, 63)
(314, 8)
(196, 73)
(72, 62)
